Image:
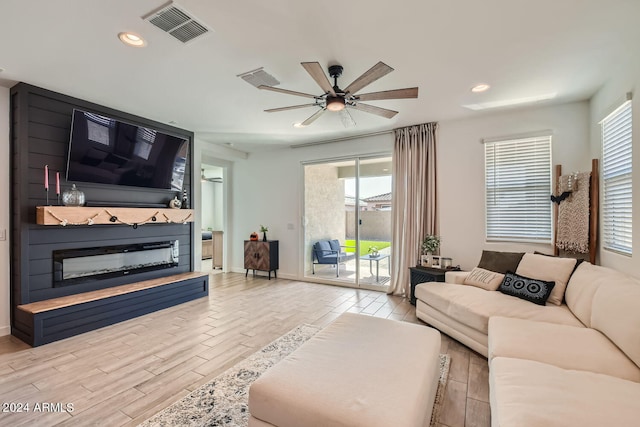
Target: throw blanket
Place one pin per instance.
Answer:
(573, 216)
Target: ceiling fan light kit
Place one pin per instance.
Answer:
(335, 99)
(335, 103)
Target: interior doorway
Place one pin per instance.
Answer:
(347, 221)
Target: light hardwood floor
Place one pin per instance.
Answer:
(125, 373)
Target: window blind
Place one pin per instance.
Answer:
(518, 186)
(616, 177)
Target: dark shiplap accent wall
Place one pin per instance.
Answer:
(40, 128)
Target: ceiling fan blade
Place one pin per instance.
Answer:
(375, 110)
(317, 73)
(313, 117)
(293, 107)
(288, 92)
(346, 118)
(410, 92)
(371, 75)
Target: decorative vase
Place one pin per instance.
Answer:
(73, 197)
(264, 236)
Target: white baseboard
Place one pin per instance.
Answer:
(5, 330)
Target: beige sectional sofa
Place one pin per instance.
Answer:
(576, 364)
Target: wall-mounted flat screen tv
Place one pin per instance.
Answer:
(108, 151)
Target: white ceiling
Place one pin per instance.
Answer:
(522, 48)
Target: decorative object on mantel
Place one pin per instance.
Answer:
(253, 237)
(430, 245)
(185, 200)
(73, 197)
(46, 181)
(264, 230)
(58, 187)
(175, 203)
(134, 217)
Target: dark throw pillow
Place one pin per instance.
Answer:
(500, 262)
(532, 290)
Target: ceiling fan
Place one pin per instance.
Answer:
(337, 100)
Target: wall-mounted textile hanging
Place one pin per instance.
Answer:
(576, 211)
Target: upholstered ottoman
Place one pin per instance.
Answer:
(358, 371)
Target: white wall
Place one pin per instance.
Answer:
(5, 301)
(610, 96)
(267, 189)
(461, 170)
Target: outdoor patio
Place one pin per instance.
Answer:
(368, 270)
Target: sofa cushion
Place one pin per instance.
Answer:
(473, 306)
(485, 279)
(584, 283)
(582, 287)
(616, 313)
(526, 288)
(526, 393)
(568, 347)
(549, 269)
(500, 262)
(335, 245)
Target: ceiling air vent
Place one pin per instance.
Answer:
(259, 77)
(175, 20)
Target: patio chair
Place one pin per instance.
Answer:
(329, 252)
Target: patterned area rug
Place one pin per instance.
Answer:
(223, 401)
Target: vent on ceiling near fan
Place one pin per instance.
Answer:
(259, 77)
(177, 22)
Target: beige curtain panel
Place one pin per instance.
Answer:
(415, 199)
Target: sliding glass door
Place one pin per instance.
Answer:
(347, 221)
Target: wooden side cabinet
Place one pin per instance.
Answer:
(261, 256)
(425, 274)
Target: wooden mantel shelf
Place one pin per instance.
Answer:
(73, 215)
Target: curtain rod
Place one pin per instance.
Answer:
(346, 138)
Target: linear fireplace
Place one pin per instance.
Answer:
(73, 266)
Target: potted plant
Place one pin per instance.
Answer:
(430, 245)
(264, 230)
(374, 251)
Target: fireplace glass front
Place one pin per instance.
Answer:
(73, 266)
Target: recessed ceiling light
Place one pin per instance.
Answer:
(132, 39)
(298, 125)
(480, 88)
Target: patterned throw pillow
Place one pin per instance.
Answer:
(532, 290)
(485, 279)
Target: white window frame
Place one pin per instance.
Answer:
(518, 185)
(617, 180)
